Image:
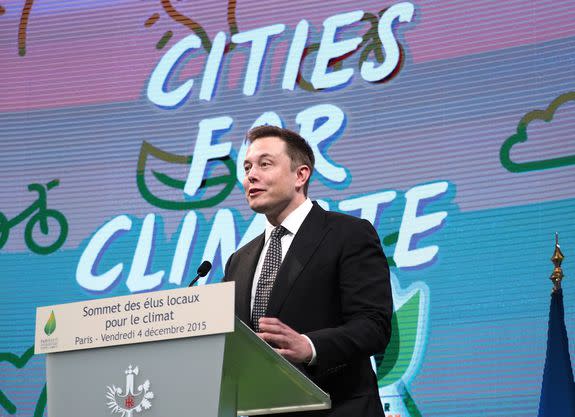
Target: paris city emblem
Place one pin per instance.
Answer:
(130, 400)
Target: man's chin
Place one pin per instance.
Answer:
(257, 207)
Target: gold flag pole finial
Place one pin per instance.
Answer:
(557, 259)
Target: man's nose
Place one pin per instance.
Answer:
(251, 175)
(249, 178)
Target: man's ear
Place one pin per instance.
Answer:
(302, 175)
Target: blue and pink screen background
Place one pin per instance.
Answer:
(463, 159)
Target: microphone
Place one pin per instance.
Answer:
(203, 270)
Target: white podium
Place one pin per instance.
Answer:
(190, 364)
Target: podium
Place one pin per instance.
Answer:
(191, 364)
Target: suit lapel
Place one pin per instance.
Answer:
(304, 245)
(244, 278)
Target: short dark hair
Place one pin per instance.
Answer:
(298, 150)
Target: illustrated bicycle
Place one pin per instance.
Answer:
(54, 238)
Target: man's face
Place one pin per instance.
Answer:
(270, 183)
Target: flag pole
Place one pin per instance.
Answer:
(557, 258)
(558, 386)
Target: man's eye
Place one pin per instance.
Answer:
(246, 168)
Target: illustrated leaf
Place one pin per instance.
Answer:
(7, 404)
(41, 404)
(18, 362)
(410, 405)
(51, 324)
(399, 352)
(201, 200)
(390, 239)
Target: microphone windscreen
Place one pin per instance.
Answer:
(204, 268)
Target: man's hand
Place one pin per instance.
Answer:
(290, 344)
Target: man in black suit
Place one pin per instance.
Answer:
(315, 285)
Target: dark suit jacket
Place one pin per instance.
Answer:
(333, 286)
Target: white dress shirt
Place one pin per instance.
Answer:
(292, 223)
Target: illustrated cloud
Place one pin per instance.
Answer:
(521, 136)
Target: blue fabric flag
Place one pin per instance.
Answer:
(558, 388)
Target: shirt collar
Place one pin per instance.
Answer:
(294, 220)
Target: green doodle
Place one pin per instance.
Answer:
(390, 240)
(399, 351)
(164, 39)
(521, 136)
(41, 218)
(227, 181)
(370, 40)
(191, 24)
(410, 404)
(41, 403)
(7, 404)
(20, 362)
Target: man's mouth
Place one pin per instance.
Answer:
(254, 192)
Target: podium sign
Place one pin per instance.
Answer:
(148, 317)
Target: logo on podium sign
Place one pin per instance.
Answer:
(50, 326)
(130, 400)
